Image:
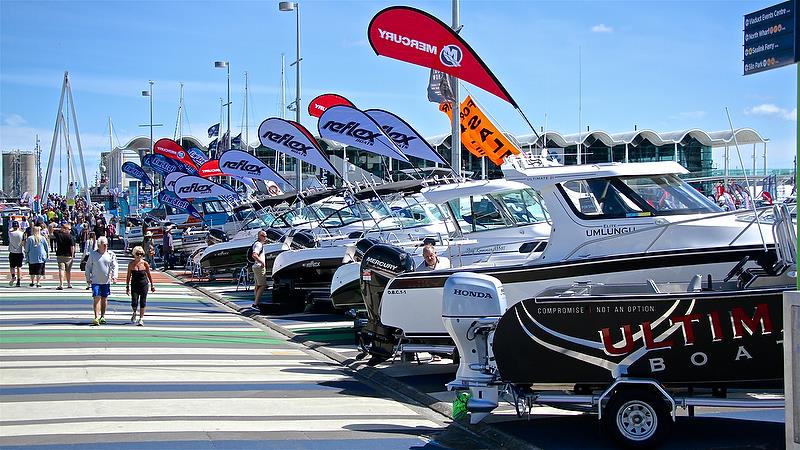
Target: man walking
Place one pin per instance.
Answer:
(259, 267)
(15, 254)
(65, 254)
(167, 247)
(101, 271)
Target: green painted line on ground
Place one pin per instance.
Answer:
(111, 329)
(112, 298)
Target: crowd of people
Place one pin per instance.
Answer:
(66, 228)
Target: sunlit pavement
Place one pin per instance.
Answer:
(196, 375)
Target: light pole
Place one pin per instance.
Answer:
(226, 65)
(295, 6)
(149, 93)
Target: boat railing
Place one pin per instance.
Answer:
(665, 225)
(783, 232)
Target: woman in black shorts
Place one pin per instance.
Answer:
(137, 282)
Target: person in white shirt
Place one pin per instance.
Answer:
(101, 271)
(430, 260)
(15, 253)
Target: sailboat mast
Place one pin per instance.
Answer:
(179, 122)
(246, 116)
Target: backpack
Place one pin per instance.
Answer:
(250, 258)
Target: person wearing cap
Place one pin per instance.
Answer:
(149, 249)
(15, 254)
(167, 247)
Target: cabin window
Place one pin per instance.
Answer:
(599, 198)
(524, 206)
(668, 194)
(477, 213)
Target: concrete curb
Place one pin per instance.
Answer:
(378, 379)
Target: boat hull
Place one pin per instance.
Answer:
(705, 338)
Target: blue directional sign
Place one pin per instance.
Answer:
(770, 38)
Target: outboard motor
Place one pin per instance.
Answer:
(472, 306)
(215, 236)
(380, 263)
(298, 239)
(273, 235)
(362, 246)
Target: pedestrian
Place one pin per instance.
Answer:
(149, 249)
(101, 272)
(65, 254)
(88, 247)
(15, 253)
(167, 248)
(37, 252)
(111, 231)
(137, 282)
(430, 260)
(256, 256)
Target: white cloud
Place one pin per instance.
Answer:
(769, 109)
(602, 28)
(15, 120)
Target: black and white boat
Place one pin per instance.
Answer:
(612, 223)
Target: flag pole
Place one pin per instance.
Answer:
(455, 122)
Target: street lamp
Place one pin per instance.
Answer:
(295, 6)
(149, 93)
(226, 65)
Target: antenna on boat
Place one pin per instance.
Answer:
(746, 180)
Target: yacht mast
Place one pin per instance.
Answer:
(178, 136)
(246, 118)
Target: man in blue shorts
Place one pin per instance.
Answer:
(101, 271)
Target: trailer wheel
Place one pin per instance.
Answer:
(637, 418)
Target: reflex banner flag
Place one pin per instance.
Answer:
(416, 37)
(133, 169)
(293, 139)
(245, 165)
(351, 126)
(173, 150)
(479, 135)
(169, 198)
(198, 156)
(191, 186)
(405, 137)
(170, 179)
(325, 101)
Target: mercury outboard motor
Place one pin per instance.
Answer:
(362, 246)
(380, 263)
(472, 305)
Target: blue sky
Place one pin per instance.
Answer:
(661, 65)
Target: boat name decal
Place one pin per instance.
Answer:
(397, 291)
(609, 231)
(287, 141)
(311, 264)
(741, 323)
(352, 129)
(475, 294)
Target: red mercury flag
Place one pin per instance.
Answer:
(414, 36)
(171, 149)
(322, 102)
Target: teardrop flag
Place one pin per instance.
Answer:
(404, 137)
(170, 179)
(191, 186)
(322, 102)
(293, 139)
(243, 164)
(210, 169)
(198, 156)
(171, 149)
(351, 126)
(414, 36)
(133, 169)
(169, 198)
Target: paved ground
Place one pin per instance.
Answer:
(200, 375)
(195, 376)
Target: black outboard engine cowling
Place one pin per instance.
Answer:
(299, 239)
(215, 236)
(273, 235)
(380, 264)
(363, 245)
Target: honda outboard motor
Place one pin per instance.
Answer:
(472, 306)
(380, 263)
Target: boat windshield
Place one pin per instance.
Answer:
(635, 196)
(524, 206)
(357, 212)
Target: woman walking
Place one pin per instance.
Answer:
(38, 252)
(137, 282)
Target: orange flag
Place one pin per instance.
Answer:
(479, 135)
